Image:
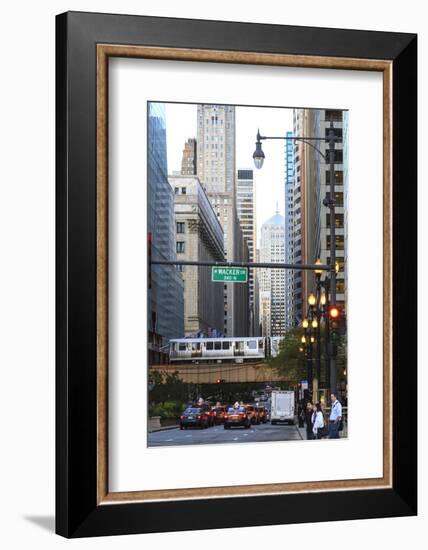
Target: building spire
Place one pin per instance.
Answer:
(277, 209)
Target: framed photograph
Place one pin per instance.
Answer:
(236, 274)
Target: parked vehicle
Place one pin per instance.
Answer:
(218, 414)
(282, 407)
(262, 414)
(237, 416)
(194, 417)
(253, 413)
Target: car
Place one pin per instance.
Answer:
(237, 416)
(207, 409)
(218, 413)
(194, 417)
(253, 413)
(263, 414)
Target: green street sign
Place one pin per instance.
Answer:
(229, 274)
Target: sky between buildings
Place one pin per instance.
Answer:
(181, 120)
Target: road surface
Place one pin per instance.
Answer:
(217, 434)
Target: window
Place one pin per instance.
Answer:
(338, 177)
(340, 242)
(338, 220)
(210, 346)
(183, 190)
(338, 156)
(340, 262)
(226, 345)
(217, 345)
(338, 197)
(182, 347)
(337, 131)
(252, 344)
(180, 227)
(340, 287)
(333, 116)
(176, 190)
(180, 247)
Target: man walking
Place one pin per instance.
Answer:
(335, 417)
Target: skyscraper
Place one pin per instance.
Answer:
(289, 229)
(199, 237)
(245, 203)
(306, 209)
(272, 281)
(188, 162)
(165, 304)
(216, 171)
(319, 126)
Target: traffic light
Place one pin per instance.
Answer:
(337, 319)
(334, 314)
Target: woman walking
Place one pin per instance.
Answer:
(317, 421)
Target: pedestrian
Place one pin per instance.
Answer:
(317, 421)
(335, 417)
(308, 420)
(301, 415)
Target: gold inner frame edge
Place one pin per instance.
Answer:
(104, 51)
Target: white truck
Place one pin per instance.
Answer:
(282, 407)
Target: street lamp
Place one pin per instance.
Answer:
(258, 154)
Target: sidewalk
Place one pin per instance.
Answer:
(164, 428)
(343, 435)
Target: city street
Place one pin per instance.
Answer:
(217, 434)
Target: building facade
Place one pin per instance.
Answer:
(246, 209)
(272, 281)
(289, 228)
(311, 216)
(320, 125)
(216, 172)
(188, 162)
(199, 237)
(165, 300)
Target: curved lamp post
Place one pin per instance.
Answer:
(329, 201)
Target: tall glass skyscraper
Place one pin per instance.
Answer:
(272, 281)
(165, 303)
(289, 229)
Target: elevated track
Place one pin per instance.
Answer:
(212, 372)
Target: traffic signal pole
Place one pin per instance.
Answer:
(332, 204)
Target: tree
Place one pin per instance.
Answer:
(291, 361)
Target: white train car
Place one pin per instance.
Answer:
(274, 345)
(217, 349)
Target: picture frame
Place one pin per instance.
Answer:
(84, 44)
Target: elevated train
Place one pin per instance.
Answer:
(236, 350)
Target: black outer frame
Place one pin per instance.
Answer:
(77, 513)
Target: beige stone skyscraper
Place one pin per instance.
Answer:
(188, 162)
(216, 172)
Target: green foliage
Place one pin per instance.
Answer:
(292, 363)
(168, 409)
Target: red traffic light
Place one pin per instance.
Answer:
(334, 312)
